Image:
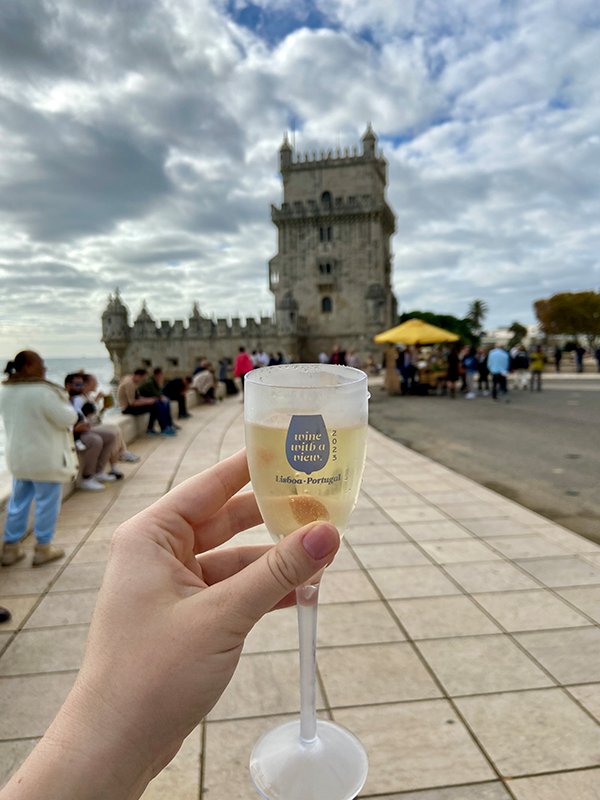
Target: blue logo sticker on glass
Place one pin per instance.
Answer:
(307, 443)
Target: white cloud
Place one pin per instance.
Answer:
(141, 150)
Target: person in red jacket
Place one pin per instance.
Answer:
(243, 365)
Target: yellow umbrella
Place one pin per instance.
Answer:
(415, 331)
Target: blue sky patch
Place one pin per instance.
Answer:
(274, 25)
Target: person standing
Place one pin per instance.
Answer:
(579, 354)
(537, 360)
(243, 365)
(352, 360)
(521, 365)
(40, 454)
(323, 357)
(453, 369)
(498, 365)
(471, 366)
(597, 357)
(557, 358)
(484, 373)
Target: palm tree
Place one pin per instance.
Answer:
(477, 313)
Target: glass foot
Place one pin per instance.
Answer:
(332, 767)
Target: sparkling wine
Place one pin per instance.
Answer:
(305, 472)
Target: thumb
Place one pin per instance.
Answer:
(256, 589)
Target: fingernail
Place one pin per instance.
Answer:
(320, 541)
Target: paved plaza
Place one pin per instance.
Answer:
(458, 635)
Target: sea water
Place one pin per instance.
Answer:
(59, 368)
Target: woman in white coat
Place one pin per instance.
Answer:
(40, 455)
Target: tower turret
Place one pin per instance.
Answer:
(369, 140)
(285, 154)
(115, 330)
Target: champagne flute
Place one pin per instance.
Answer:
(306, 431)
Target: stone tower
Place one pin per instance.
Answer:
(331, 276)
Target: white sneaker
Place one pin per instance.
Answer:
(127, 456)
(485, 393)
(469, 396)
(103, 477)
(79, 445)
(91, 485)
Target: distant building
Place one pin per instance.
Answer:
(331, 276)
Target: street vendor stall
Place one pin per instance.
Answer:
(413, 332)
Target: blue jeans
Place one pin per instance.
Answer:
(163, 413)
(48, 497)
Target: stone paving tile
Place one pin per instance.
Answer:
(70, 536)
(433, 531)
(53, 650)
(559, 572)
(572, 656)
(416, 514)
(31, 581)
(181, 778)
(400, 499)
(531, 732)
(581, 785)
(19, 608)
(481, 665)
(380, 673)
(397, 583)
(525, 546)
(263, 684)
(390, 555)
(455, 552)
(366, 516)
(450, 497)
(468, 511)
(375, 534)
(64, 608)
(102, 533)
(586, 598)
(12, 755)
(80, 576)
(346, 587)
(276, 631)
(356, 623)
(572, 541)
(436, 617)
(589, 696)
(415, 746)
(497, 527)
(530, 611)
(227, 755)
(491, 576)
(344, 561)
(29, 704)
(91, 552)
(478, 791)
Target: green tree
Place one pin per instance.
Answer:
(519, 332)
(476, 314)
(446, 321)
(570, 313)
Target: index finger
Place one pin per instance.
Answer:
(200, 497)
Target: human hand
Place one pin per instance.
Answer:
(81, 427)
(166, 635)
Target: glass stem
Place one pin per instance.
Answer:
(307, 598)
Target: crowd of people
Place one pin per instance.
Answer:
(475, 371)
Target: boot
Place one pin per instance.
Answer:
(12, 553)
(45, 553)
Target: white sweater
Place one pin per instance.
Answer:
(39, 444)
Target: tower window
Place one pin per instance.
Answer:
(328, 234)
(326, 306)
(322, 234)
(326, 199)
(325, 269)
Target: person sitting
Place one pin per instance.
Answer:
(99, 443)
(39, 454)
(176, 389)
(225, 376)
(131, 402)
(204, 383)
(153, 387)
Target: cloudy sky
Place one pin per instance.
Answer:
(139, 147)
